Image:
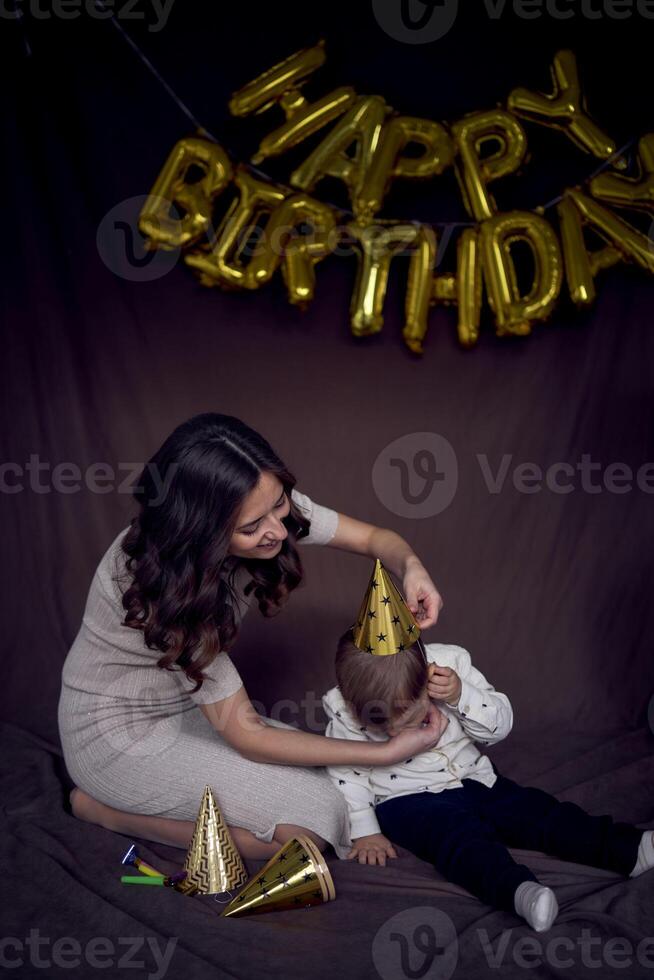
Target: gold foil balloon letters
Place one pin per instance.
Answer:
(195, 199)
(281, 85)
(360, 140)
(515, 313)
(474, 172)
(564, 109)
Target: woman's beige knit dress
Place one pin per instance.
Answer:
(134, 737)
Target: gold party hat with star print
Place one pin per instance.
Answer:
(385, 624)
(296, 877)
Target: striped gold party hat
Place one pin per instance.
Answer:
(385, 624)
(212, 861)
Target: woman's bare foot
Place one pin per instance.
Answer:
(163, 830)
(83, 806)
(178, 833)
(285, 831)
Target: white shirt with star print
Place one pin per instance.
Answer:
(482, 715)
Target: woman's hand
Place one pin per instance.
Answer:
(422, 596)
(372, 849)
(412, 741)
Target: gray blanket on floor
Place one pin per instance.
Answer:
(65, 911)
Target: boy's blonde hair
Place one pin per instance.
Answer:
(376, 689)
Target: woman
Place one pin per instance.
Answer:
(218, 525)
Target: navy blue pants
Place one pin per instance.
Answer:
(464, 832)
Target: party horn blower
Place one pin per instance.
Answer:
(295, 877)
(143, 880)
(176, 880)
(170, 881)
(132, 857)
(183, 885)
(213, 863)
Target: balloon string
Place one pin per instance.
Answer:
(205, 132)
(605, 163)
(18, 15)
(146, 61)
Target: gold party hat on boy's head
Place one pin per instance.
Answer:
(385, 624)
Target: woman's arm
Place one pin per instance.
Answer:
(236, 719)
(422, 596)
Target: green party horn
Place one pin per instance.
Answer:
(142, 879)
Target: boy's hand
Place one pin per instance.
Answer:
(444, 684)
(372, 849)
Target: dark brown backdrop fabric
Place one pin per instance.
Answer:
(550, 592)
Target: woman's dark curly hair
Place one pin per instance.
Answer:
(190, 494)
